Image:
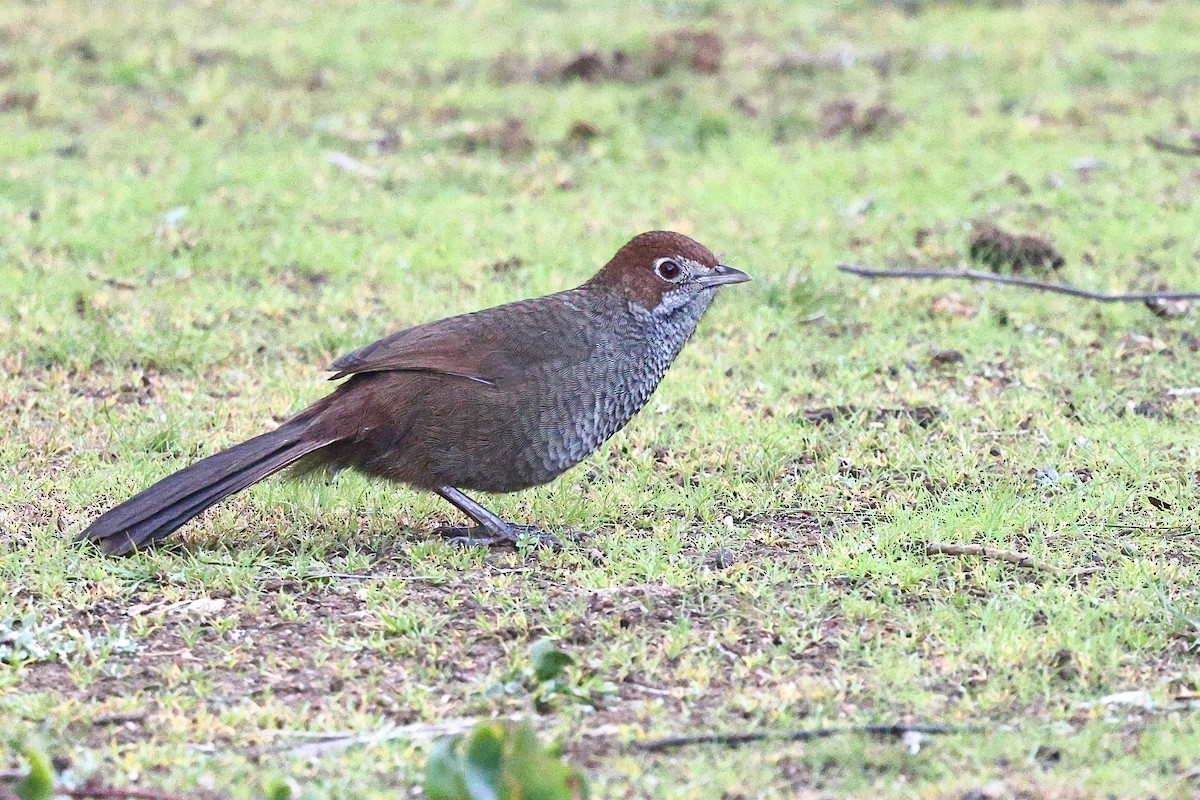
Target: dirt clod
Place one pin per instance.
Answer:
(317, 80)
(589, 66)
(924, 416)
(944, 358)
(700, 52)
(1002, 251)
(581, 134)
(995, 790)
(505, 265)
(509, 136)
(847, 114)
(952, 305)
(1150, 409)
(18, 101)
(744, 106)
(82, 49)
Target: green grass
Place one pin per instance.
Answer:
(178, 261)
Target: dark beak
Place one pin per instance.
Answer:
(722, 275)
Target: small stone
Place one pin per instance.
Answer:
(860, 207)
(1047, 476)
(993, 790)
(203, 607)
(1086, 164)
(721, 558)
(1135, 698)
(1169, 309)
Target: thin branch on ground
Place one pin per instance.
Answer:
(97, 792)
(1162, 530)
(118, 718)
(1012, 280)
(1171, 147)
(356, 576)
(417, 732)
(784, 511)
(1016, 557)
(745, 737)
(116, 793)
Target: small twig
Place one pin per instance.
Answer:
(1184, 391)
(1011, 556)
(419, 732)
(355, 576)
(999, 434)
(745, 737)
(116, 283)
(310, 735)
(775, 513)
(118, 718)
(116, 793)
(1012, 280)
(1171, 147)
(1165, 530)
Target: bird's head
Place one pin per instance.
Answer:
(665, 272)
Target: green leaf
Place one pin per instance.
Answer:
(39, 783)
(548, 661)
(499, 762)
(443, 772)
(537, 775)
(278, 789)
(482, 762)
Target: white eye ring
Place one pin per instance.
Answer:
(668, 269)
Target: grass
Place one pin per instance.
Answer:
(178, 261)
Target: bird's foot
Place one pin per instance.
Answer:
(511, 535)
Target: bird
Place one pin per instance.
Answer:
(492, 401)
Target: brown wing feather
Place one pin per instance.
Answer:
(426, 348)
(480, 347)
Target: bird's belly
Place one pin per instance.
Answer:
(528, 439)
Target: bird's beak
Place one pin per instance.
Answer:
(722, 275)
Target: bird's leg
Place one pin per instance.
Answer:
(490, 530)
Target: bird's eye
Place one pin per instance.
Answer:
(668, 269)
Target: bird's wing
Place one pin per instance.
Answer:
(488, 346)
(425, 348)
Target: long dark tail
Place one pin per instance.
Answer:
(154, 513)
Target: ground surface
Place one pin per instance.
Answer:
(202, 204)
